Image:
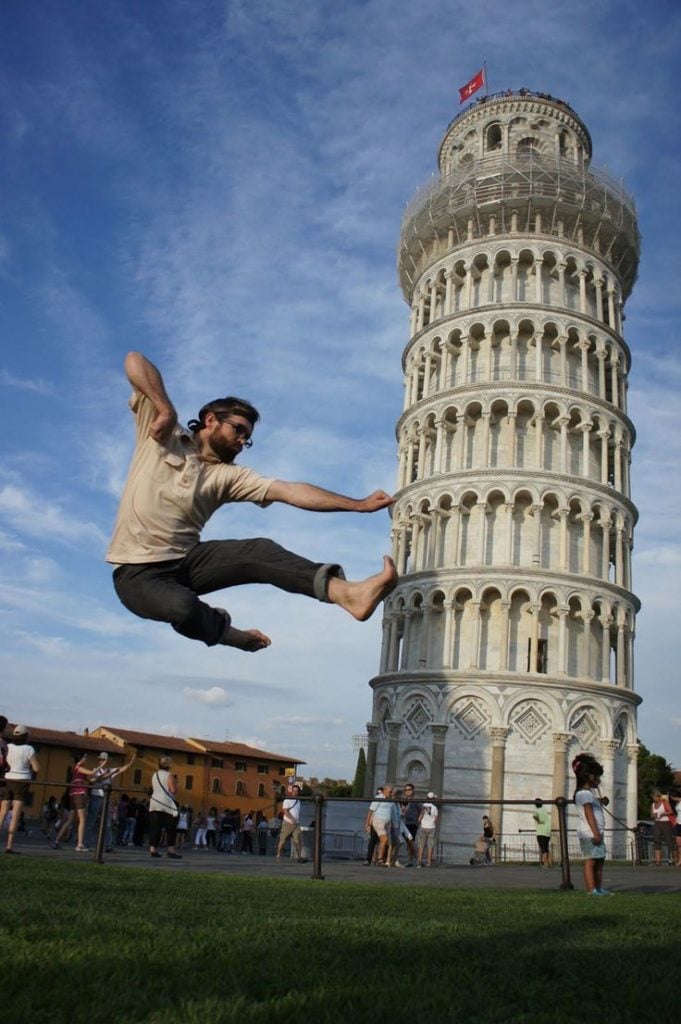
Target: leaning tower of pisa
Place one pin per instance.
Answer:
(508, 644)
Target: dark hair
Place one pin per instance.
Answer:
(226, 405)
(584, 766)
(3, 723)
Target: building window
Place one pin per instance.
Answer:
(239, 766)
(261, 789)
(240, 789)
(262, 769)
(542, 656)
(137, 777)
(216, 786)
(216, 762)
(190, 758)
(282, 770)
(189, 782)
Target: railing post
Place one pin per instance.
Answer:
(103, 818)
(318, 826)
(561, 804)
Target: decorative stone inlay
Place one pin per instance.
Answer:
(531, 721)
(620, 735)
(417, 717)
(584, 725)
(470, 717)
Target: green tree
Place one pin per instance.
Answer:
(334, 787)
(360, 775)
(653, 773)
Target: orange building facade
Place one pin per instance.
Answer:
(209, 773)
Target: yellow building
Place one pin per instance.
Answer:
(209, 773)
(55, 751)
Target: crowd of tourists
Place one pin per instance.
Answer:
(157, 820)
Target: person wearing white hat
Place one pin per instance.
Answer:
(426, 833)
(22, 763)
(103, 773)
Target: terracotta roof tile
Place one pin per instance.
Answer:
(149, 739)
(244, 750)
(61, 738)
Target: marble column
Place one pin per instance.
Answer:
(498, 735)
(437, 767)
(372, 746)
(633, 750)
(393, 728)
(561, 741)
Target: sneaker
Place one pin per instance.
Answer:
(155, 854)
(55, 845)
(82, 849)
(604, 892)
(15, 852)
(597, 892)
(174, 856)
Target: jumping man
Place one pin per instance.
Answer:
(177, 479)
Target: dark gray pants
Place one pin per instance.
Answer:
(168, 591)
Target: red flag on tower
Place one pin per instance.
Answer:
(476, 82)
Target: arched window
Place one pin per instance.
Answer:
(239, 788)
(261, 789)
(528, 148)
(215, 788)
(493, 138)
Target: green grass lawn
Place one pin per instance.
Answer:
(92, 944)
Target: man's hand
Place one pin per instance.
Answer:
(376, 501)
(162, 427)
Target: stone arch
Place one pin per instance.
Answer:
(462, 632)
(490, 656)
(498, 453)
(415, 766)
(519, 628)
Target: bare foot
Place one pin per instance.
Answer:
(246, 639)
(361, 598)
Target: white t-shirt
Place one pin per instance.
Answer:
(582, 798)
(430, 813)
(19, 760)
(291, 809)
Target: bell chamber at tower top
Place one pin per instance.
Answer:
(514, 168)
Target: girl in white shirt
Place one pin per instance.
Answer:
(591, 822)
(22, 764)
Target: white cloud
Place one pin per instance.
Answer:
(215, 696)
(8, 380)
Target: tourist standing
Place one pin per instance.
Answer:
(22, 763)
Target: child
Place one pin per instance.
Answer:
(591, 822)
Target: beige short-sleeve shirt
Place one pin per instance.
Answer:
(170, 494)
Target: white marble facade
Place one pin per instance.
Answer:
(508, 644)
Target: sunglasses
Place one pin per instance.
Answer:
(239, 429)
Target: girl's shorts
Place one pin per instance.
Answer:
(591, 850)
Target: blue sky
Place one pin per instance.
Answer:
(221, 186)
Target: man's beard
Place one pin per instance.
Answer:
(224, 451)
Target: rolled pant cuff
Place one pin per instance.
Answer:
(324, 573)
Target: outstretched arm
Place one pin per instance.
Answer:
(144, 377)
(316, 499)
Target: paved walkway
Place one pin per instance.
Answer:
(619, 878)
